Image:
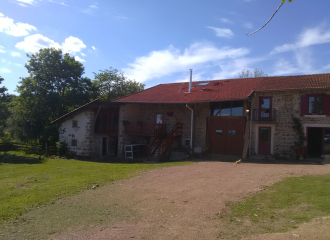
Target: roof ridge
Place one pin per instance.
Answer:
(136, 92)
(231, 79)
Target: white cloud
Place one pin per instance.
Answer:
(171, 60)
(35, 42)
(18, 65)
(248, 25)
(73, 45)
(83, 54)
(93, 6)
(34, 2)
(2, 51)
(94, 48)
(312, 36)
(79, 59)
(222, 32)
(26, 1)
(226, 20)
(5, 70)
(8, 26)
(16, 54)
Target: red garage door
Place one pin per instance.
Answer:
(226, 135)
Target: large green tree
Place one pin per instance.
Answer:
(5, 99)
(112, 84)
(54, 87)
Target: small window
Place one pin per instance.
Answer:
(74, 123)
(214, 108)
(74, 142)
(186, 142)
(203, 84)
(315, 105)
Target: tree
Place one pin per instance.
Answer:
(112, 84)
(283, 1)
(246, 73)
(55, 86)
(4, 113)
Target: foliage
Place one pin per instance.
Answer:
(61, 148)
(298, 127)
(112, 84)
(5, 100)
(55, 86)
(279, 208)
(283, 1)
(246, 73)
(26, 185)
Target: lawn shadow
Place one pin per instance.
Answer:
(14, 159)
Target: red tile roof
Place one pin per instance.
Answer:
(228, 89)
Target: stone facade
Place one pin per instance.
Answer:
(88, 143)
(287, 104)
(172, 113)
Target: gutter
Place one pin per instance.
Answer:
(191, 130)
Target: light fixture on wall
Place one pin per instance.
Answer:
(247, 110)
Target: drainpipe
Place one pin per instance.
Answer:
(191, 130)
(191, 120)
(251, 110)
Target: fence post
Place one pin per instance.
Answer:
(46, 154)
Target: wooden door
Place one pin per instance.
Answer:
(226, 135)
(216, 134)
(264, 140)
(235, 136)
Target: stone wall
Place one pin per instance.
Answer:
(88, 143)
(172, 113)
(286, 103)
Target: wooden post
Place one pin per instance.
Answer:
(46, 150)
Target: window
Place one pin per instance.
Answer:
(74, 142)
(315, 104)
(228, 108)
(203, 84)
(74, 123)
(215, 109)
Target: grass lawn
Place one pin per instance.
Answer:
(27, 182)
(279, 208)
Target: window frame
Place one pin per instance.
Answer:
(231, 108)
(74, 123)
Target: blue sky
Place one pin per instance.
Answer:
(159, 41)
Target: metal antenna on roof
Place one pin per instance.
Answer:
(190, 82)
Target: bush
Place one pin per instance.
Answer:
(61, 148)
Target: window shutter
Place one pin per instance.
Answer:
(326, 105)
(304, 105)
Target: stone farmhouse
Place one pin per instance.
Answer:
(239, 117)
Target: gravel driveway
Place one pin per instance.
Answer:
(184, 202)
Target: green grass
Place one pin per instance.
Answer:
(27, 182)
(280, 207)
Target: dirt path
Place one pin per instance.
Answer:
(184, 202)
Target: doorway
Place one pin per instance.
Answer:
(104, 146)
(264, 140)
(315, 141)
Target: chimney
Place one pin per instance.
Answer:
(190, 82)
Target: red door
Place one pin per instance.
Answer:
(264, 140)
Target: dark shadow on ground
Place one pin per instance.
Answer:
(13, 159)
